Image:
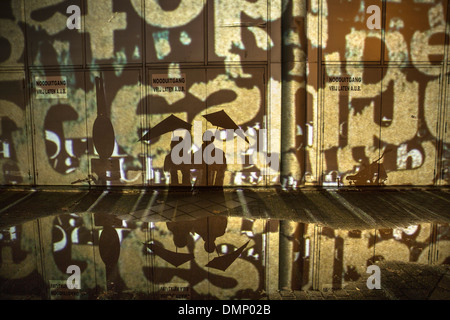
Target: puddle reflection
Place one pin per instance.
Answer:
(213, 257)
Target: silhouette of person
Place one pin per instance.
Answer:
(173, 169)
(214, 163)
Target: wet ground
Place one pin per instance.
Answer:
(225, 244)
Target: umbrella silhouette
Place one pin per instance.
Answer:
(223, 262)
(223, 120)
(174, 258)
(169, 124)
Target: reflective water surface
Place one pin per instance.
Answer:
(209, 257)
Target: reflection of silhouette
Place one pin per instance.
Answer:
(223, 262)
(181, 231)
(174, 258)
(109, 247)
(209, 228)
(374, 174)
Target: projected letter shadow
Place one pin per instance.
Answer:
(209, 229)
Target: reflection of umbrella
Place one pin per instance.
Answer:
(169, 124)
(223, 262)
(222, 119)
(174, 258)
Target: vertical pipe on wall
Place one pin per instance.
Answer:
(292, 101)
(293, 90)
(285, 255)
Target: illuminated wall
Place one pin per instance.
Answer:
(225, 52)
(331, 86)
(374, 75)
(116, 263)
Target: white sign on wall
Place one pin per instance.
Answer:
(51, 87)
(166, 83)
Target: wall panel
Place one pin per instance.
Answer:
(15, 142)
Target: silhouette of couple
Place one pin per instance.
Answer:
(210, 172)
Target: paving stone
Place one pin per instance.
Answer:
(200, 213)
(415, 294)
(340, 293)
(182, 217)
(160, 207)
(217, 198)
(141, 213)
(351, 286)
(440, 294)
(154, 218)
(193, 198)
(414, 284)
(399, 282)
(315, 295)
(301, 295)
(188, 208)
(445, 282)
(274, 296)
(287, 295)
(126, 217)
(230, 204)
(427, 281)
(216, 208)
(328, 295)
(355, 294)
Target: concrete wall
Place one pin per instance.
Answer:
(270, 65)
(375, 84)
(226, 53)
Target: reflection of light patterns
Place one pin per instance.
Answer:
(209, 281)
(71, 239)
(74, 239)
(344, 255)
